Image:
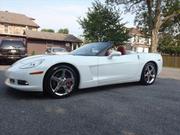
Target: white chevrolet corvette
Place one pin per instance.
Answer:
(91, 65)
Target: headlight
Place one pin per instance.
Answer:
(32, 64)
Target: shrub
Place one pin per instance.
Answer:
(33, 53)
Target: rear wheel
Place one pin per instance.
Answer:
(60, 81)
(149, 73)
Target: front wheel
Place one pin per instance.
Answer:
(149, 73)
(60, 81)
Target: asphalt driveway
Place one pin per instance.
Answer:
(126, 109)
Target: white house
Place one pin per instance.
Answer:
(138, 42)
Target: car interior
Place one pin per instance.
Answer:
(120, 49)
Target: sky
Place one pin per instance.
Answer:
(56, 14)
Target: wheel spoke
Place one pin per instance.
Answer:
(54, 78)
(151, 70)
(63, 73)
(66, 88)
(152, 75)
(59, 85)
(148, 79)
(146, 74)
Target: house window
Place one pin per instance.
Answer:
(30, 28)
(6, 28)
(138, 39)
(134, 38)
(18, 30)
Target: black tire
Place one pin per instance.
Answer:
(149, 74)
(51, 84)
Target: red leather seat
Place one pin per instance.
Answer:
(122, 50)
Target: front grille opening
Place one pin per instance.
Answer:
(22, 82)
(12, 81)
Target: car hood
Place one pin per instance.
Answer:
(35, 57)
(48, 57)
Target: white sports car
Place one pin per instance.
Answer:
(91, 65)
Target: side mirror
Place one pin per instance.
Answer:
(114, 54)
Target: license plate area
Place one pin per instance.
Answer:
(13, 51)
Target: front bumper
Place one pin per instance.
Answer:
(34, 82)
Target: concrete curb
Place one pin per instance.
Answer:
(171, 73)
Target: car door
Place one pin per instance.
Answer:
(118, 69)
(88, 69)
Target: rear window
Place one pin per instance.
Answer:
(14, 44)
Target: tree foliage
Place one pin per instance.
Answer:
(103, 23)
(48, 30)
(63, 31)
(153, 16)
(169, 44)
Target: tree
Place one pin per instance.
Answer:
(169, 41)
(171, 26)
(64, 31)
(151, 15)
(103, 23)
(48, 30)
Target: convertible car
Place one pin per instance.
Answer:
(91, 65)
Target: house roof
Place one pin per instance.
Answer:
(17, 19)
(51, 36)
(135, 31)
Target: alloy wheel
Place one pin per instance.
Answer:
(150, 74)
(62, 82)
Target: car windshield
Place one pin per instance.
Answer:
(92, 49)
(59, 50)
(6, 44)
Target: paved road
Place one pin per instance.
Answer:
(126, 109)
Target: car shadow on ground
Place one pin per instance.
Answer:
(105, 88)
(17, 94)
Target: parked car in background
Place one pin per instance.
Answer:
(56, 50)
(12, 50)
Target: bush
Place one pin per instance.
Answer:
(33, 53)
(172, 50)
